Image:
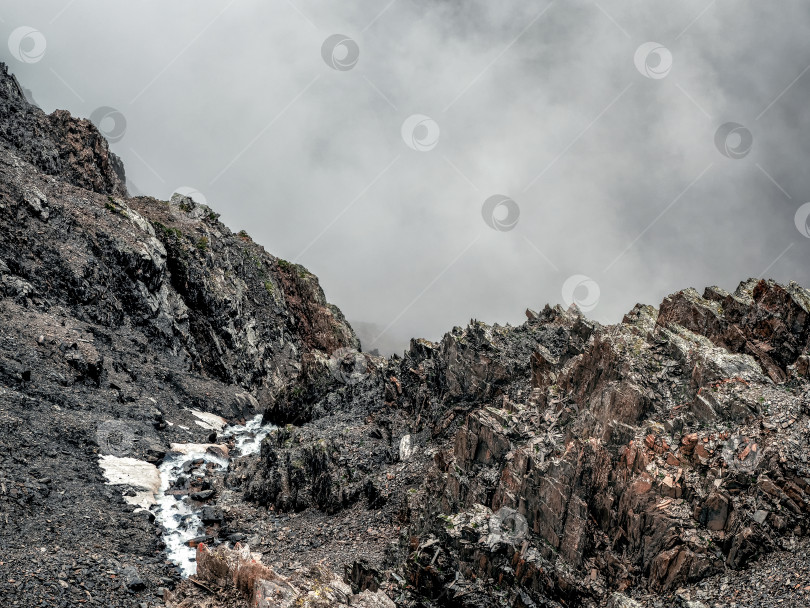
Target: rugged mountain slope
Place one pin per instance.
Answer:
(562, 461)
(57, 144)
(114, 308)
(660, 461)
(648, 461)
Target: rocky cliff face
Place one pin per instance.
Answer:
(168, 271)
(660, 461)
(562, 462)
(57, 144)
(121, 309)
(659, 455)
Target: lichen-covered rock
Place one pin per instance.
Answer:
(614, 469)
(762, 318)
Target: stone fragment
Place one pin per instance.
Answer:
(132, 578)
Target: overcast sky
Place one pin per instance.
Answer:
(370, 157)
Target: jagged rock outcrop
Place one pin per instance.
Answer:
(648, 460)
(640, 457)
(479, 364)
(124, 310)
(57, 144)
(762, 319)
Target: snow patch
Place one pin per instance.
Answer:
(132, 472)
(209, 421)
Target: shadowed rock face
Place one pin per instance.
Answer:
(557, 463)
(213, 300)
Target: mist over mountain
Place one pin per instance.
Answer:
(625, 186)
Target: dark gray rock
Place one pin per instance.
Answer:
(132, 578)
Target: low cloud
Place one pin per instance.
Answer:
(611, 161)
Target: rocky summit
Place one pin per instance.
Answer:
(185, 421)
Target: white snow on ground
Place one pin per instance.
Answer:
(212, 422)
(132, 472)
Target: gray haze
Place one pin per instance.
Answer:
(535, 101)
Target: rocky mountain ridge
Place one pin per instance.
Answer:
(659, 461)
(121, 310)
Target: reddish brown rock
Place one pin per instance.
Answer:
(483, 440)
(688, 443)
